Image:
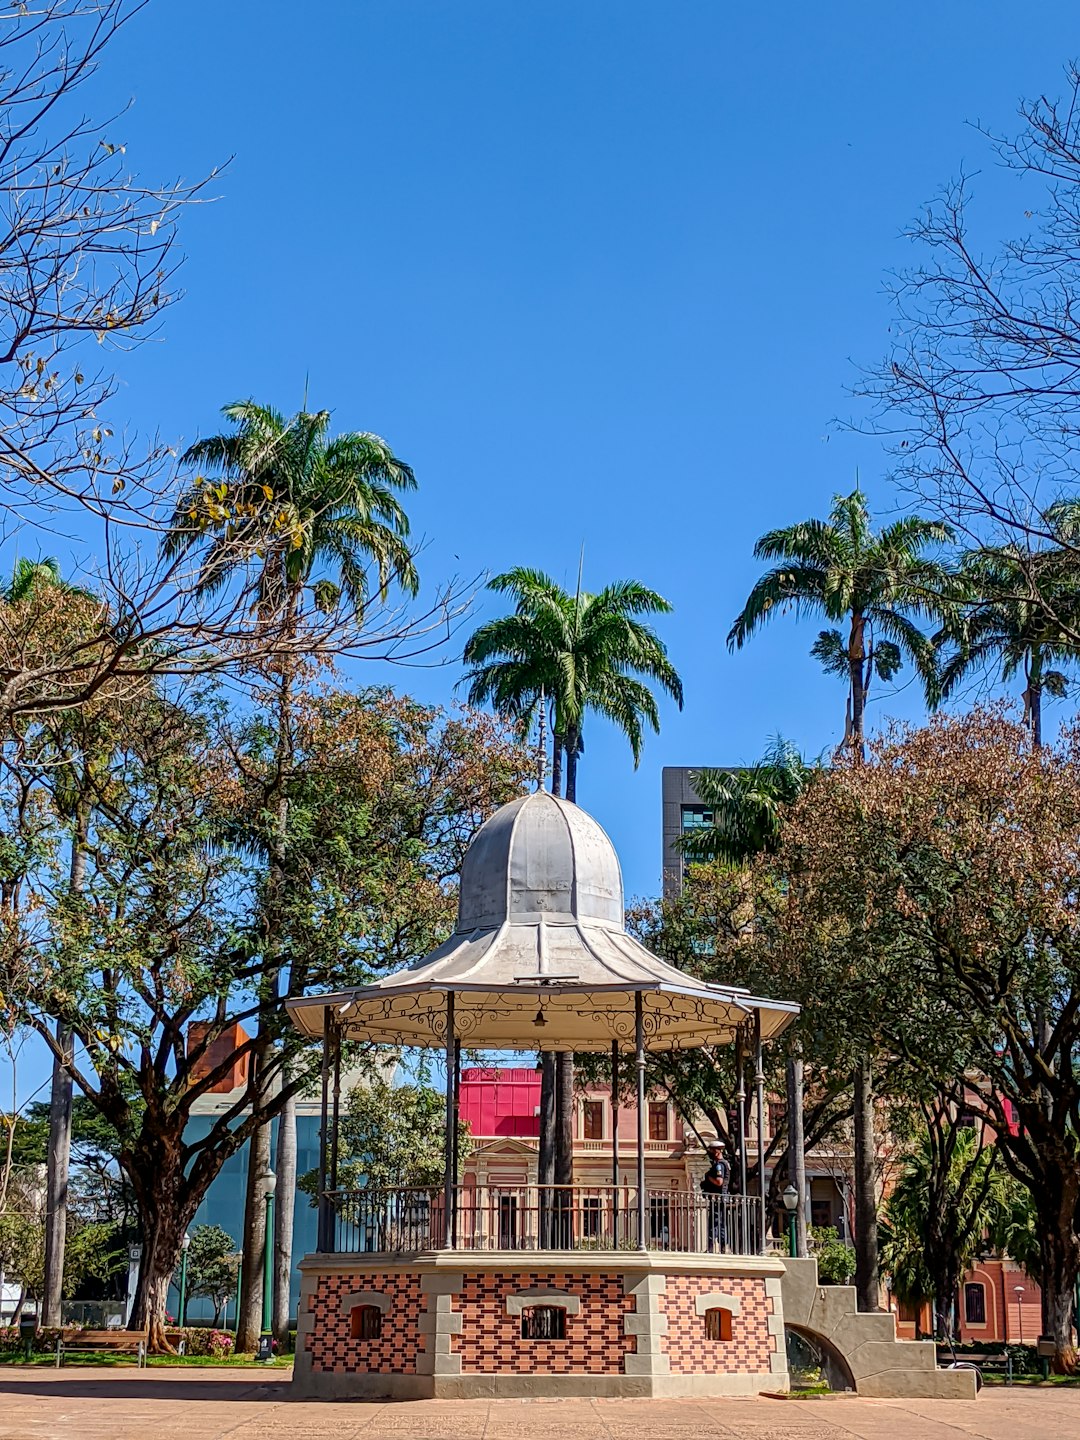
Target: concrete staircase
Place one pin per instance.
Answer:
(879, 1364)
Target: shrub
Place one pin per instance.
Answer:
(835, 1258)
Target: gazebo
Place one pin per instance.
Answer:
(615, 1290)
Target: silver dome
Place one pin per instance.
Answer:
(536, 859)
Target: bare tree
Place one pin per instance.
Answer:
(979, 395)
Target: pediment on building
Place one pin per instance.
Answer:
(503, 1145)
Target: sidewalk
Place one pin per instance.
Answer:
(177, 1404)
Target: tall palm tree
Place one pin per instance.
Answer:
(875, 583)
(1002, 621)
(283, 495)
(30, 578)
(312, 515)
(575, 653)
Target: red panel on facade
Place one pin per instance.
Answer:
(500, 1102)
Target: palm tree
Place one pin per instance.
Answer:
(1005, 622)
(574, 653)
(30, 579)
(876, 583)
(313, 514)
(282, 494)
(950, 1193)
(747, 807)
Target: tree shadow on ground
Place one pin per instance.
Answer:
(96, 1386)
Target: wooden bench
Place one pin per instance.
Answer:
(983, 1361)
(107, 1342)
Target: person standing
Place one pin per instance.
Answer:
(714, 1186)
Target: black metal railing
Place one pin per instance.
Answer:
(539, 1217)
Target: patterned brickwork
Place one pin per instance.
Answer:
(751, 1347)
(490, 1342)
(393, 1353)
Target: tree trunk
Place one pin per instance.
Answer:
(1060, 1250)
(856, 662)
(556, 763)
(571, 763)
(162, 1219)
(545, 1160)
(564, 1117)
(249, 1321)
(797, 1147)
(564, 1060)
(867, 1282)
(60, 1101)
(56, 1180)
(285, 1166)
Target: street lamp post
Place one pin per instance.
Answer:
(185, 1246)
(1018, 1290)
(269, 1184)
(790, 1198)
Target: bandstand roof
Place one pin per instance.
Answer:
(540, 957)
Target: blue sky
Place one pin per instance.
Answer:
(601, 271)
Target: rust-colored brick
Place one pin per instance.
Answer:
(490, 1342)
(394, 1352)
(751, 1347)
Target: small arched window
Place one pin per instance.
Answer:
(718, 1324)
(543, 1322)
(365, 1322)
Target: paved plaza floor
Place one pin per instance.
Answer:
(122, 1404)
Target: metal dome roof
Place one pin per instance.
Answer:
(537, 858)
(540, 956)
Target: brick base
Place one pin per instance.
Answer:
(450, 1327)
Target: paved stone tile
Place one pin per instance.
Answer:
(237, 1405)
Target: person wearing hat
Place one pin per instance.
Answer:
(714, 1187)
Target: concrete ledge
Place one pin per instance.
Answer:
(523, 1387)
(637, 1262)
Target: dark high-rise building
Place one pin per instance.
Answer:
(683, 810)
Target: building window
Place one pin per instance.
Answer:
(543, 1322)
(906, 1312)
(658, 1120)
(696, 817)
(718, 1324)
(975, 1304)
(777, 1116)
(365, 1322)
(592, 1120)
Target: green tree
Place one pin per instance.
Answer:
(384, 793)
(574, 653)
(877, 583)
(281, 495)
(312, 515)
(747, 807)
(940, 881)
(1004, 619)
(391, 1136)
(570, 653)
(948, 1197)
(212, 1261)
